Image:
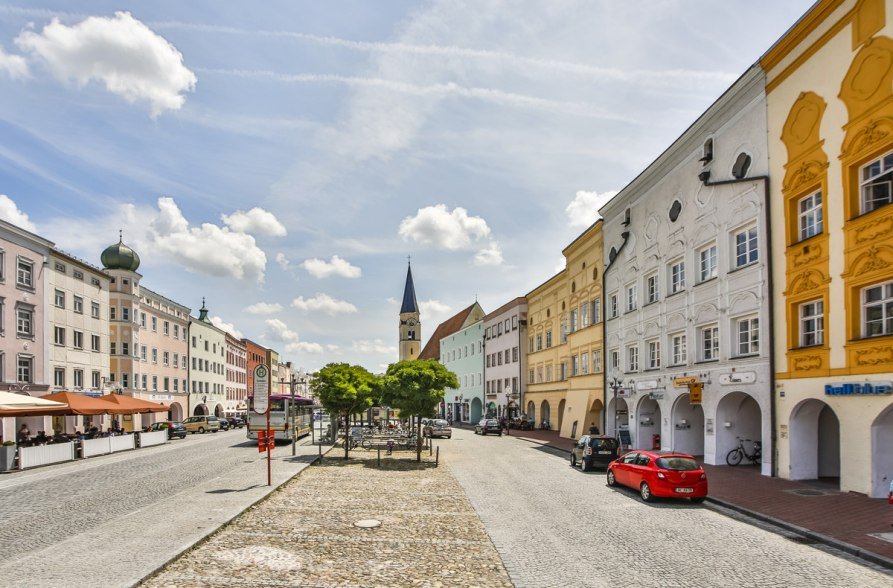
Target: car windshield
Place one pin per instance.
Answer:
(440, 423)
(679, 464)
(603, 444)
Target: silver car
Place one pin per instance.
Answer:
(437, 428)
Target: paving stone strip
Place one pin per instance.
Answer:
(304, 534)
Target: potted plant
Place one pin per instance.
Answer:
(7, 455)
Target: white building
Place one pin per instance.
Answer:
(505, 330)
(207, 366)
(686, 288)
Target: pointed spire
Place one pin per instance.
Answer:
(409, 300)
(203, 312)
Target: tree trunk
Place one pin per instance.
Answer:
(346, 438)
(418, 440)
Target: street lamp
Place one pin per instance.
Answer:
(615, 385)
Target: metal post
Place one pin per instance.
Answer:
(294, 433)
(269, 477)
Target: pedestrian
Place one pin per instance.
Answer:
(593, 430)
(890, 495)
(504, 425)
(24, 433)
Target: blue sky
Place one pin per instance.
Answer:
(283, 158)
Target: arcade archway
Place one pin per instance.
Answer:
(815, 441)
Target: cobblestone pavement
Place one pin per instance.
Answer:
(110, 520)
(304, 534)
(557, 526)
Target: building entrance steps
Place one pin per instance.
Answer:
(848, 521)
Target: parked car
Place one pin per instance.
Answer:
(236, 422)
(593, 451)
(173, 428)
(488, 426)
(437, 428)
(662, 474)
(224, 423)
(200, 424)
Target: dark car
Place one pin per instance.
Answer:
(593, 451)
(488, 426)
(660, 473)
(224, 424)
(173, 428)
(236, 422)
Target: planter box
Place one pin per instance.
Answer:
(7, 457)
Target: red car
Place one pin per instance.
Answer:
(664, 474)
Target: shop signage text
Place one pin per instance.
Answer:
(859, 389)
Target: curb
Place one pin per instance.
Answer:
(843, 546)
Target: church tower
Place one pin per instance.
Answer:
(410, 327)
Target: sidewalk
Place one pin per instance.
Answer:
(847, 521)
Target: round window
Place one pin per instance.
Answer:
(675, 209)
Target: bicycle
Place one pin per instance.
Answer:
(735, 456)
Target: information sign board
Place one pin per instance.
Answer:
(261, 389)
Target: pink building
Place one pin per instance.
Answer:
(236, 376)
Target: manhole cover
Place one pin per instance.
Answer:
(367, 524)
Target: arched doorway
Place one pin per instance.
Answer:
(618, 411)
(477, 410)
(491, 410)
(687, 426)
(815, 441)
(594, 416)
(175, 412)
(737, 415)
(200, 410)
(648, 423)
(531, 411)
(218, 410)
(561, 406)
(546, 414)
(881, 453)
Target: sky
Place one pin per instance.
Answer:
(284, 159)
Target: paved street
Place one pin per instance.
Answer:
(556, 526)
(110, 520)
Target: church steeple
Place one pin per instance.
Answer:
(410, 326)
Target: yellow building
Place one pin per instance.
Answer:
(830, 116)
(564, 349)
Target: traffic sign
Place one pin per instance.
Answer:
(261, 389)
(265, 440)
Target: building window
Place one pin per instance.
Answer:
(143, 320)
(112, 313)
(78, 378)
(59, 336)
(615, 359)
(113, 348)
(530, 376)
(514, 354)
(176, 360)
(530, 345)
(877, 304)
(125, 313)
(167, 328)
(632, 358)
(145, 379)
(680, 354)
(94, 310)
(25, 274)
(59, 377)
(677, 277)
(809, 212)
(154, 355)
(614, 309)
(584, 363)
(875, 183)
(154, 323)
(539, 342)
(25, 371)
(549, 373)
(584, 315)
(24, 322)
(166, 358)
(632, 298)
(597, 361)
(548, 338)
(707, 261)
(745, 247)
(748, 336)
(597, 310)
(94, 342)
(176, 331)
(143, 352)
(575, 365)
(78, 339)
(710, 343)
(653, 289)
(78, 304)
(812, 323)
(125, 379)
(96, 379)
(573, 320)
(155, 383)
(60, 299)
(167, 384)
(653, 354)
(125, 349)
(78, 275)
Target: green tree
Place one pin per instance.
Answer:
(416, 387)
(345, 390)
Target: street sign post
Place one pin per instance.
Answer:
(262, 406)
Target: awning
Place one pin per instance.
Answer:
(81, 404)
(23, 405)
(131, 405)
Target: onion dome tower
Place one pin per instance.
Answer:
(120, 256)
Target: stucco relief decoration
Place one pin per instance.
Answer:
(877, 131)
(704, 195)
(867, 90)
(801, 130)
(807, 362)
(675, 321)
(876, 258)
(875, 356)
(808, 280)
(706, 312)
(743, 302)
(651, 228)
(807, 254)
(875, 229)
(803, 174)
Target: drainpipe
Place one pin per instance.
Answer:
(770, 298)
(625, 236)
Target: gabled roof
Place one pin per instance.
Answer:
(445, 329)
(409, 301)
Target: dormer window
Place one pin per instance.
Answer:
(708, 152)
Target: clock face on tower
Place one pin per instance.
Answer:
(411, 323)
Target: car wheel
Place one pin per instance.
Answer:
(573, 460)
(584, 465)
(612, 481)
(645, 492)
(201, 430)
(698, 499)
(449, 436)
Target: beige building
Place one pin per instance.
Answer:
(207, 366)
(830, 109)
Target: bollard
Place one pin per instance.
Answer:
(437, 457)
(430, 446)
(379, 457)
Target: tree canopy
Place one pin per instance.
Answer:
(345, 389)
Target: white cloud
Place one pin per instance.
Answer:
(14, 65)
(257, 220)
(374, 346)
(319, 268)
(583, 209)
(120, 52)
(491, 255)
(208, 249)
(10, 212)
(228, 327)
(303, 347)
(433, 307)
(283, 261)
(279, 331)
(435, 225)
(264, 308)
(562, 263)
(324, 303)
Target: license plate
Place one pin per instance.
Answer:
(604, 453)
(684, 490)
